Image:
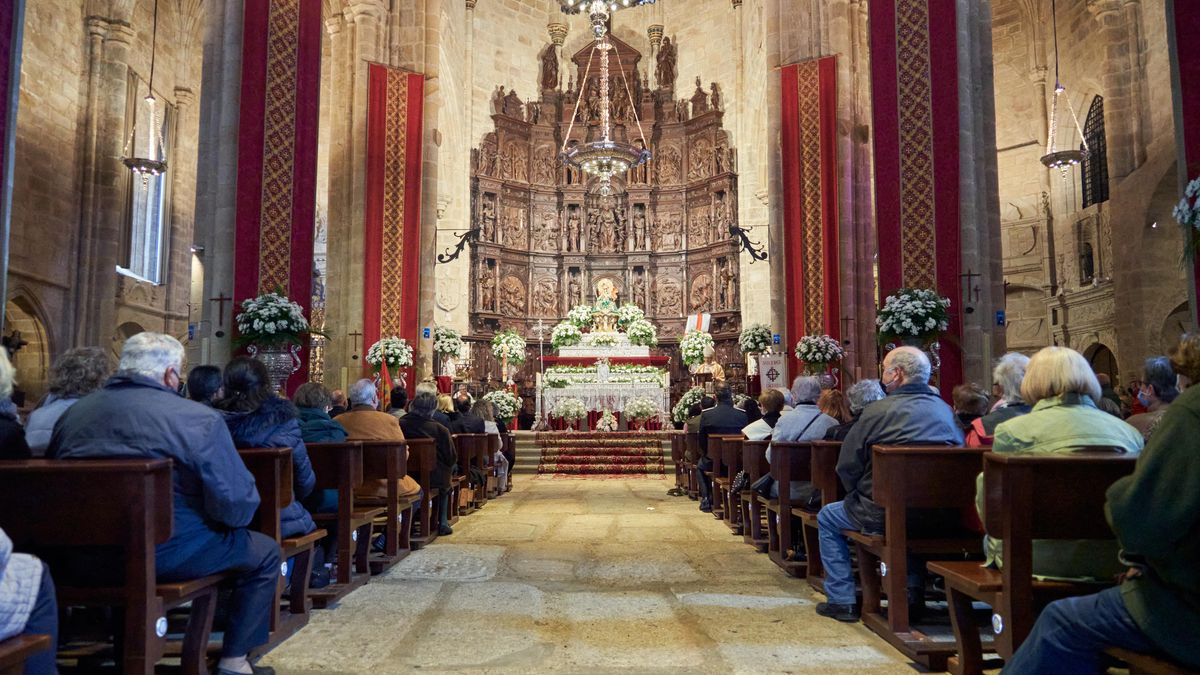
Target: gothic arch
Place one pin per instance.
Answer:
(24, 314)
(1102, 360)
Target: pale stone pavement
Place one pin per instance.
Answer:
(584, 576)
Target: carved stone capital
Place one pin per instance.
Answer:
(655, 33)
(558, 33)
(1039, 74)
(184, 97)
(1099, 8)
(97, 26)
(366, 9)
(120, 32)
(470, 5)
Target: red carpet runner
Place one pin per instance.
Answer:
(615, 454)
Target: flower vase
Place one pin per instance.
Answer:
(281, 362)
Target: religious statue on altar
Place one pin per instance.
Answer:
(605, 317)
(710, 370)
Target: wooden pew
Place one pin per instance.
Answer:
(18, 649)
(339, 466)
(913, 477)
(789, 462)
(692, 445)
(422, 459)
(1025, 500)
(731, 464)
(494, 488)
(678, 444)
(754, 463)
(714, 453)
(472, 452)
(387, 461)
(127, 504)
(1148, 664)
(272, 471)
(824, 478)
(510, 450)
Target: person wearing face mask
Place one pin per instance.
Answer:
(1156, 392)
(139, 413)
(911, 414)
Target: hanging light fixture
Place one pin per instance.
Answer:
(1065, 158)
(604, 158)
(156, 163)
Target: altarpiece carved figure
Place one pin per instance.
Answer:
(639, 229)
(512, 297)
(573, 229)
(664, 73)
(550, 68)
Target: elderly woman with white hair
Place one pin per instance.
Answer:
(859, 395)
(1006, 384)
(12, 434)
(1063, 390)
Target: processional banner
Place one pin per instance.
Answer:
(277, 153)
(392, 212)
(916, 127)
(810, 198)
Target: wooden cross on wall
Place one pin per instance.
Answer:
(356, 335)
(221, 300)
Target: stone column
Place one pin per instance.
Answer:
(1122, 111)
(105, 180)
(183, 205)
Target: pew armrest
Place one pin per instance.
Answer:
(18, 648)
(1147, 664)
(968, 576)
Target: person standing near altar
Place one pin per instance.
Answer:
(710, 366)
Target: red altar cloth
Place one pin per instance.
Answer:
(660, 361)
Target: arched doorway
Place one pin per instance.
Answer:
(124, 332)
(32, 359)
(1102, 360)
(1175, 325)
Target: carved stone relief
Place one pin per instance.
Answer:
(669, 296)
(545, 298)
(700, 299)
(700, 159)
(512, 297)
(668, 165)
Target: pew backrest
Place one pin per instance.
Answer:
(754, 459)
(824, 471)
(790, 461)
(422, 460)
(925, 476)
(384, 459)
(272, 471)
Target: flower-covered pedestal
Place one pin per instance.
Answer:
(391, 355)
(281, 362)
(509, 347)
(272, 328)
(914, 317)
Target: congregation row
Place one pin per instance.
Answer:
(907, 480)
(336, 510)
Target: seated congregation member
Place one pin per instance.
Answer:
(770, 402)
(1006, 387)
(834, 403)
(750, 407)
(27, 604)
(1157, 607)
(398, 402)
(721, 419)
(419, 423)
(445, 408)
(75, 374)
(258, 418)
(804, 422)
(971, 403)
(858, 396)
(483, 410)
(1156, 392)
(365, 422)
(466, 421)
(139, 413)
(204, 384)
(12, 434)
(910, 415)
(1063, 390)
(313, 403)
(696, 410)
(340, 404)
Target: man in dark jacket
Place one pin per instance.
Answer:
(465, 422)
(722, 419)
(139, 413)
(419, 423)
(911, 415)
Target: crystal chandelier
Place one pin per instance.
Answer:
(1062, 159)
(156, 163)
(606, 157)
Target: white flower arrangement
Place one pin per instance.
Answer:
(394, 351)
(269, 320)
(602, 339)
(679, 413)
(641, 409)
(570, 409)
(1187, 214)
(643, 333)
(628, 314)
(565, 334)
(557, 380)
(509, 345)
(447, 341)
(505, 403)
(818, 351)
(607, 422)
(913, 313)
(755, 339)
(581, 316)
(692, 347)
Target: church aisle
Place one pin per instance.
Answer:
(571, 575)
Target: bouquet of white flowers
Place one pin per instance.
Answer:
(643, 333)
(641, 409)
(565, 334)
(692, 347)
(446, 341)
(913, 313)
(394, 351)
(755, 339)
(629, 313)
(679, 413)
(581, 316)
(1187, 214)
(271, 320)
(505, 403)
(818, 351)
(570, 409)
(601, 339)
(509, 345)
(607, 422)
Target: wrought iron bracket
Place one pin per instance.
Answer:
(754, 248)
(471, 236)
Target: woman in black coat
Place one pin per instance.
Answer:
(419, 423)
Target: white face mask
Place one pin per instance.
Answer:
(892, 384)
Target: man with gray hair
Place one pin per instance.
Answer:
(804, 422)
(419, 423)
(860, 394)
(1007, 377)
(139, 413)
(910, 415)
